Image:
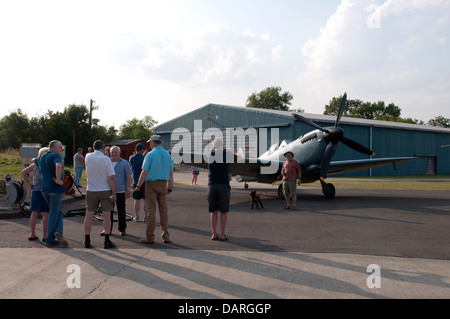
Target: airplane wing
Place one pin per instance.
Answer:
(311, 172)
(339, 167)
(250, 169)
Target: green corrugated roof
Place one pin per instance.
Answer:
(262, 118)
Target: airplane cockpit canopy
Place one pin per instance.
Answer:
(273, 148)
(277, 146)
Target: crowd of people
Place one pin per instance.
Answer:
(147, 176)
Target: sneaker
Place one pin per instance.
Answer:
(61, 241)
(136, 219)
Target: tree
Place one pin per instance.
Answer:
(270, 98)
(104, 133)
(63, 125)
(15, 130)
(137, 129)
(440, 121)
(368, 110)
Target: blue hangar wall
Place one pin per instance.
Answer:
(386, 139)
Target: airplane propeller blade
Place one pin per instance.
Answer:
(326, 159)
(356, 146)
(333, 136)
(341, 110)
(308, 122)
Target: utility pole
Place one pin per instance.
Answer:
(90, 112)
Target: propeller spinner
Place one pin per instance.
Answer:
(332, 136)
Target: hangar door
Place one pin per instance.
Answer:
(431, 165)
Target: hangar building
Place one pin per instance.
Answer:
(386, 139)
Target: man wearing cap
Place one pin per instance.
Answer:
(290, 171)
(136, 161)
(157, 173)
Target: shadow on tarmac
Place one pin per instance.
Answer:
(270, 244)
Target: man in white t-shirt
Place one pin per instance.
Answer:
(100, 189)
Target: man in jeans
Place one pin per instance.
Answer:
(157, 172)
(78, 165)
(53, 191)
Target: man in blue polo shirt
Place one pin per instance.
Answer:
(53, 191)
(157, 173)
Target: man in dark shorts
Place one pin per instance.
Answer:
(219, 187)
(136, 161)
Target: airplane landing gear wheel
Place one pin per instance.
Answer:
(280, 192)
(25, 209)
(331, 192)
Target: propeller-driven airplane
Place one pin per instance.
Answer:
(314, 151)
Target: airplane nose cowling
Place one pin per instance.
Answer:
(333, 134)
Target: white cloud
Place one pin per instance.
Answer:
(265, 36)
(276, 53)
(211, 55)
(395, 52)
(400, 6)
(318, 51)
(248, 33)
(221, 67)
(165, 58)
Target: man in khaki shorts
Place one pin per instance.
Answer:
(291, 170)
(100, 190)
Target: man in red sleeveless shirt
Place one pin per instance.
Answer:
(290, 171)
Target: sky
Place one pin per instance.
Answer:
(166, 58)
